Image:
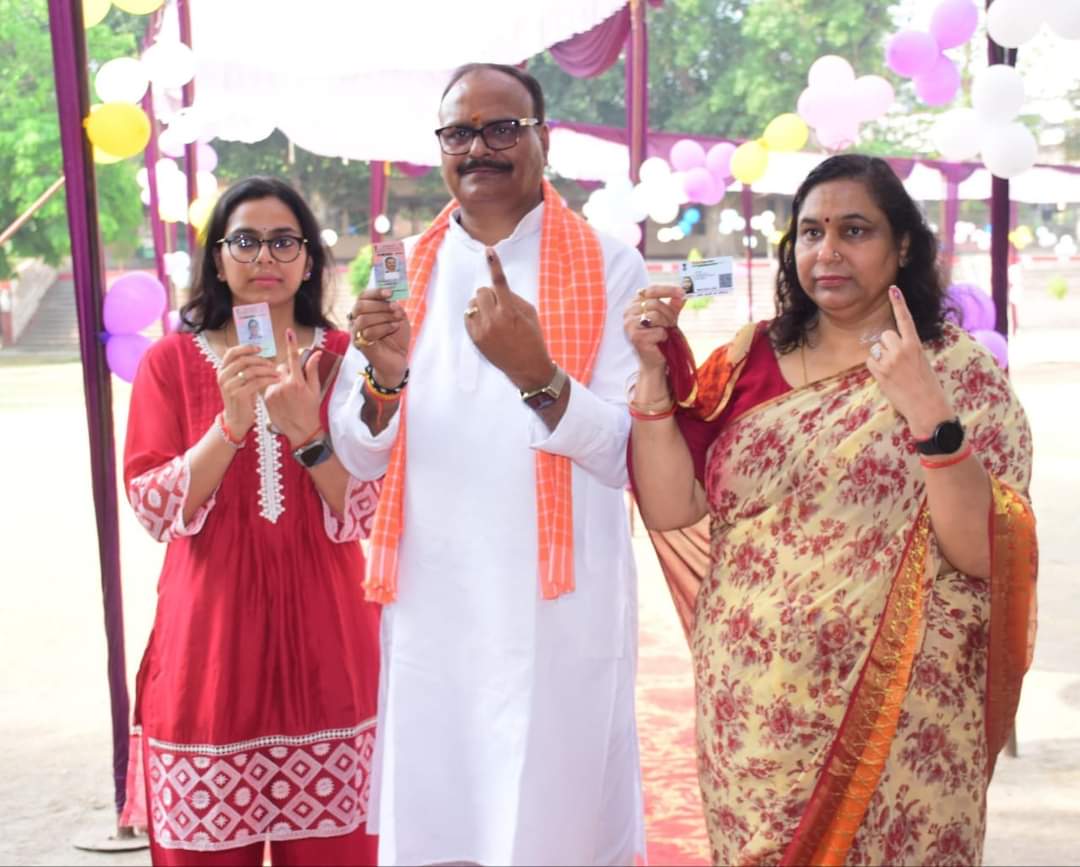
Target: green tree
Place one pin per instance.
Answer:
(30, 156)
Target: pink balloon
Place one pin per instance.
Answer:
(939, 85)
(970, 307)
(133, 301)
(718, 160)
(699, 184)
(911, 52)
(837, 136)
(205, 157)
(123, 352)
(813, 106)
(998, 346)
(954, 22)
(718, 191)
(872, 95)
(686, 154)
(629, 234)
(172, 321)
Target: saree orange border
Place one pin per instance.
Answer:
(855, 763)
(1013, 567)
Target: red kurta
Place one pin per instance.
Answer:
(257, 692)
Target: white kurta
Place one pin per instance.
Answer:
(506, 730)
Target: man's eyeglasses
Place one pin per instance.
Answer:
(499, 135)
(245, 248)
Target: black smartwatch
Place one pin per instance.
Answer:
(313, 453)
(945, 440)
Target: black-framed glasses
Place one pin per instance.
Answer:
(245, 248)
(499, 135)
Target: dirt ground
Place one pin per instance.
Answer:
(55, 742)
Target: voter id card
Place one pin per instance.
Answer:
(707, 276)
(254, 326)
(388, 261)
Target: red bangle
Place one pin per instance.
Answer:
(652, 416)
(223, 428)
(962, 455)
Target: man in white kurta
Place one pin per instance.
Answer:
(506, 730)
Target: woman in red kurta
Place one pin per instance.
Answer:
(256, 696)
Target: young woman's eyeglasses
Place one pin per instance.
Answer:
(499, 135)
(245, 248)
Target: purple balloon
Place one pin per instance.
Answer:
(133, 302)
(911, 52)
(939, 85)
(973, 310)
(954, 22)
(699, 184)
(205, 157)
(686, 154)
(718, 160)
(123, 352)
(998, 345)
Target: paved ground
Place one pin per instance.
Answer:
(54, 714)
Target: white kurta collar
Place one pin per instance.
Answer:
(528, 225)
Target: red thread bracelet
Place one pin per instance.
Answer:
(228, 434)
(652, 416)
(963, 455)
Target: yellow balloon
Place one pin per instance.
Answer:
(786, 132)
(94, 11)
(138, 7)
(749, 162)
(1021, 237)
(103, 158)
(118, 128)
(199, 212)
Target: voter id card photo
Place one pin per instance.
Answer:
(388, 261)
(707, 276)
(253, 326)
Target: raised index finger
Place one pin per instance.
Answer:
(498, 277)
(904, 323)
(292, 353)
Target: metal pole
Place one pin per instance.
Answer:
(637, 96)
(999, 216)
(29, 212)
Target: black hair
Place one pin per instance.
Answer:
(918, 277)
(210, 306)
(520, 75)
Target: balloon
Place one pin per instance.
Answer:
(939, 85)
(123, 352)
(749, 162)
(718, 160)
(103, 159)
(814, 105)
(172, 321)
(699, 184)
(382, 224)
(121, 80)
(94, 11)
(169, 144)
(911, 52)
(170, 63)
(954, 22)
(872, 95)
(185, 125)
(830, 71)
(1063, 17)
(199, 212)
(970, 307)
(654, 169)
(1010, 150)
(133, 301)
(997, 93)
(692, 216)
(716, 195)
(1011, 23)
(207, 158)
(628, 233)
(956, 134)
(998, 345)
(118, 128)
(138, 7)
(837, 136)
(687, 154)
(639, 203)
(786, 132)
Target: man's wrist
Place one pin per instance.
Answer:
(536, 378)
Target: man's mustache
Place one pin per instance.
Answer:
(472, 165)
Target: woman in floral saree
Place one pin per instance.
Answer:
(866, 605)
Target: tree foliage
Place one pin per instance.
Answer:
(30, 156)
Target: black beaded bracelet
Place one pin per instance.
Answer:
(369, 375)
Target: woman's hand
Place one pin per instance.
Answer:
(380, 330)
(900, 366)
(293, 402)
(243, 375)
(646, 320)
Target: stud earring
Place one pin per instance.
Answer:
(307, 276)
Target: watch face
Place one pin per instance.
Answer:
(540, 400)
(948, 437)
(314, 454)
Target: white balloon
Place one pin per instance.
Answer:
(123, 79)
(1011, 23)
(178, 260)
(628, 233)
(664, 210)
(639, 203)
(206, 184)
(997, 93)
(1009, 150)
(675, 183)
(873, 94)
(654, 169)
(169, 63)
(185, 126)
(142, 177)
(956, 135)
(329, 237)
(1063, 16)
(830, 71)
(382, 224)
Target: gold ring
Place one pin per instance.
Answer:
(359, 341)
(644, 309)
(240, 375)
(471, 311)
(641, 293)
